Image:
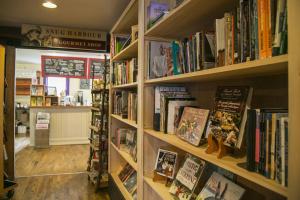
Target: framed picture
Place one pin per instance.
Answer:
(51, 91)
(84, 84)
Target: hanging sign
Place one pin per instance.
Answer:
(96, 68)
(69, 67)
(57, 37)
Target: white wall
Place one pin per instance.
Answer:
(75, 87)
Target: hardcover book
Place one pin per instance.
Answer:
(166, 163)
(155, 10)
(218, 187)
(192, 124)
(160, 59)
(229, 115)
(130, 183)
(187, 178)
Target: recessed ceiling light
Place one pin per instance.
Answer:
(49, 4)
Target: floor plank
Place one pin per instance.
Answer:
(54, 160)
(57, 187)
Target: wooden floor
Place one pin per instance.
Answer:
(57, 187)
(55, 160)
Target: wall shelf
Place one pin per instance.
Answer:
(129, 52)
(126, 121)
(125, 156)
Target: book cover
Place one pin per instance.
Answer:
(166, 162)
(154, 10)
(229, 115)
(157, 95)
(192, 125)
(219, 187)
(187, 178)
(160, 59)
(130, 183)
(172, 114)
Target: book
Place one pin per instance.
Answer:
(134, 33)
(157, 102)
(154, 10)
(187, 178)
(160, 59)
(172, 113)
(130, 183)
(166, 162)
(219, 187)
(229, 115)
(120, 43)
(124, 173)
(192, 125)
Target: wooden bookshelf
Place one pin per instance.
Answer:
(276, 82)
(159, 188)
(229, 163)
(189, 17)
(129, 52)
(128, 18)
(269, 66)
(126, 121)
(124, 86)
(121, 187)
(125, 156)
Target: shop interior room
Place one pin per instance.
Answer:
(152, 100)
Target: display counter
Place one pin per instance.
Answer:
(68, 124)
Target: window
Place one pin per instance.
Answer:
(59, 82)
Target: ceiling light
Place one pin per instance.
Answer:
(49, 4)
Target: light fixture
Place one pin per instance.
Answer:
(49, 4)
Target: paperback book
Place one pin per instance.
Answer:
(187, 178)
(218, 187)
(228, 118)
(192, 125)
(166, 163)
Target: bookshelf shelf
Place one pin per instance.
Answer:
(126, 121)
(128, 52)
(121, 187)
(125, 156)
(270, 66)
(128, 18)
(124, 86)
(186, 18)
(159, 187)
(229, 163)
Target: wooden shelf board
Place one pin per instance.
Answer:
(37, 95)
(123, 86)
(126, 121)
(121, 187)
(159, 187)
(189, 17)
(129, 52)
(228, 162)
(128, 18)
(98, 90)
(269, 66)
(125, 156)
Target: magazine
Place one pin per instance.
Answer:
(166, 163)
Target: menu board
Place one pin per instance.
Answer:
(69, 67)
(98, 65)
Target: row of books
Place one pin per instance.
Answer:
(177, 112)
(267, 143)
(129, 177)
(120, 42)
(125, 140)
(256, 29)
(195, 178)
(125, 104)
(125, 72)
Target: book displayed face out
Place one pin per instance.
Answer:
(166, 163)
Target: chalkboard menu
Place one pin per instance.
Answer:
(98, 66)
(69, 67)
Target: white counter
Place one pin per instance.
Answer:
(68, 125)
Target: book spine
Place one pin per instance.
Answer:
(250, 138)
(272, 151)
(269, 28)
(257, 140)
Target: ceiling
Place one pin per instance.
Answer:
(85, 14)
(33, 56)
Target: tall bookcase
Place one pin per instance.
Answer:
(275, 81)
